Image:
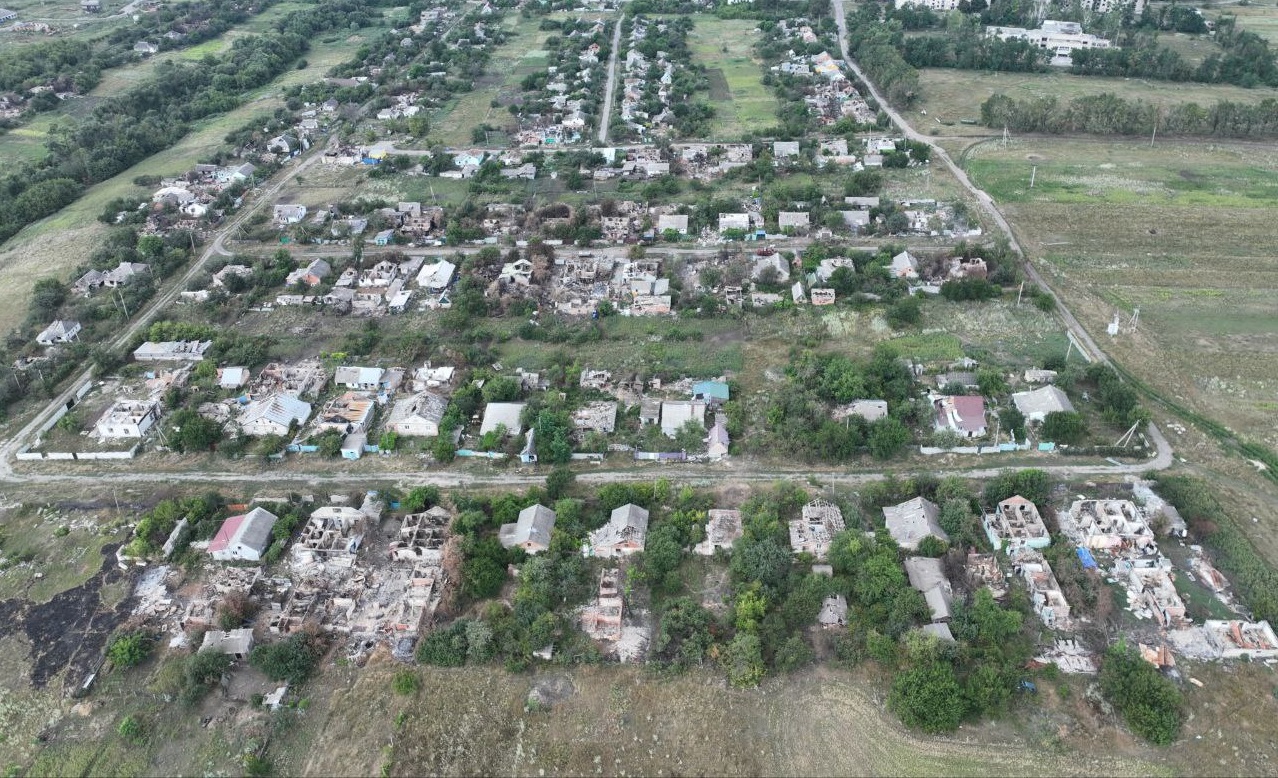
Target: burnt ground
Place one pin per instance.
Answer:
(69, 631)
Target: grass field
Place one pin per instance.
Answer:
(952, 95)
(1184, 233)
(521, 55)
(740, 100)
(1260, 18)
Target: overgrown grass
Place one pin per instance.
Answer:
(727, 46)
(950, 96)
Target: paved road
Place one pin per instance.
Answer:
(611, 88)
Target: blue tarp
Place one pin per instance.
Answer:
(1089, 561)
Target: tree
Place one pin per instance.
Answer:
(501, 389)
(1151, 704)
(662, 554)
(905, 311)
(1033, 485)
(1067, 427)
(420, 498)
(558, 482)
(927, 697)
(201, 671)
(887, 437)
(751, 607)
(192, 432)
(684, 635)
(743, 660)
(445, 647)
(765, 561)
(794, 654)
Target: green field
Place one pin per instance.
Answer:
(1184, 233)
(950, 96)
(521, 55)
(740, 100)
(1261, 19)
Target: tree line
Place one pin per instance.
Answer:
(126, 129)
(1108, 114)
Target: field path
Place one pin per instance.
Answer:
(611, 85)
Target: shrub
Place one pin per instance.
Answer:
(1151, 705)
(130, 649)
(445, 647)
(201, 671)
(131, 730)
(292, 659)
(927, 697)
(406, 682)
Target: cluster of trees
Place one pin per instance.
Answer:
(1108, 114)
(797, 422)
(1247, 59)
(935, 685)
(204, 515)
(1149, 702)
(876, 45)
(965, 45)
(292, 659)
(77, 65)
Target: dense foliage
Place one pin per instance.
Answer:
(1151, 704)
(1108, 114)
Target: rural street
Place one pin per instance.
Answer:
(741, 471)
(611, 87)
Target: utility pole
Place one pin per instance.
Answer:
(1154, 134)
(1033, 174)
(1020, 292)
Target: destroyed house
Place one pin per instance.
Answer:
(1045, 593)
(418, 415)
(332, 535)
(1016, 522)
(172, 351)
(274, 415)
(813, 532)
(347, 413)
(723, 527)
(1107, 525)
(834, 612)
(601, 619)
(422, 537)
(235, 643)
(127, 419)
(625, 533)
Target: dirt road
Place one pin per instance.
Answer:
(611, 85)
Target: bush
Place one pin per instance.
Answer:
(406, 682)
(445, 647)
(928, 697)
(1151, 705)
(130, 649)
(201, 672)
(292, 659)
(131, 730)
